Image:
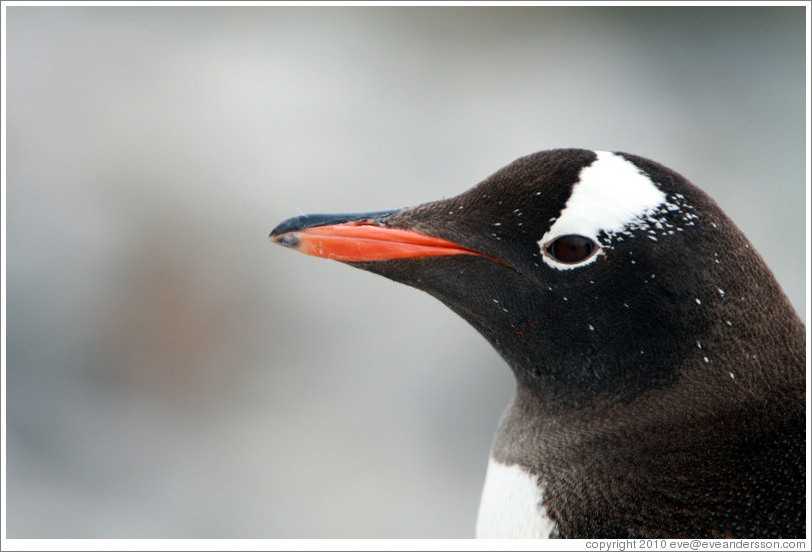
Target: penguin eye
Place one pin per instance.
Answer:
(570, 249)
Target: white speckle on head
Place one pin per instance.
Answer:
(729, 323)
(698, 302)
(591, 327)
(732, 376)
(611, 194)
(721, 291)
(510, 507)
(699, 344)
(706, 360)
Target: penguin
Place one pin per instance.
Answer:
(659, 367)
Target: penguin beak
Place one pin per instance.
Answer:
(360, 237)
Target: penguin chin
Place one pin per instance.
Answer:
(552, 351)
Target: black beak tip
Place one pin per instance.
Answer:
(285, 240)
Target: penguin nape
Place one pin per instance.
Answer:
(660, 368)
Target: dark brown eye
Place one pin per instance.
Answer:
(571, 248)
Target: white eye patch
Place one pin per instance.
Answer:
(610, 195)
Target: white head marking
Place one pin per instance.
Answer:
(611, 194)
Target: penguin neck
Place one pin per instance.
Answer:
(598, 467)
(532, 433)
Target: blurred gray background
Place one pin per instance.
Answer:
(171, 373)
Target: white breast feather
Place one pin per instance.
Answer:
(511, 505)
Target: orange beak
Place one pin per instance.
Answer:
(360, 238)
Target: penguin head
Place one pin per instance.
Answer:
(597, 276)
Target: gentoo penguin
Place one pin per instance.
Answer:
(659, 366)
